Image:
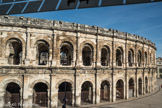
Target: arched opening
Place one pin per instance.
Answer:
(131, 88)
(87, 93)
(140, 86)
(14, 51)
(150, 59)
(12, 95)
(119, 57)
(145, 58)
(105, 91)
(105, 56)
(87, 55)
(130, 57)
(139, 58)
(65, 93)
(66, 53)
(42, 52)
(146, 85)
(151, 84)
(120, 90)
(40, 94)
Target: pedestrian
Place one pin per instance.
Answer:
(63, 106)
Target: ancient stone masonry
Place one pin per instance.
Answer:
(45, 62)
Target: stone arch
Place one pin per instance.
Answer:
(6, 82)
(39, 81)
(88, 82)
(146, 84)
(87, 54)
(65, 92)
(105, 55)
(87, 42)
(4, 85)
(93, 83)
(130, 57)
(13, 94)
(140, 86)
(139, 57)
(87, 92)
(151, 83)
(131, 87)
(120, 89)
(131, 47)
(58, 46)
(66, 53)
(120, 78)
(81, 46)
(14, 51)
(107, 45)
(67, 40)
(40, 94)
(105, 91)
(132, 77)
(119, 56)
(145, 58)
(106, 79)
(150, 57)
(42, 52)
(42, 39)
(64, 80)
(15, 37)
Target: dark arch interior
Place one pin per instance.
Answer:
(87, 92)
(12, 95)
(146, 80)
(65, 86)
(105, 56)
(86, 85)
(43, 52)
(105, 91)
(87, 55)
(40, 96)
(40, 87)
(66, 53)
(150, 59)
(15, 51)
(140, 86)
(120, 89)
(119, 57)
(139, 58)
(13, 88)
(105, 83)
(131, 87)
(131, 82)
(130, 57)
(140, 81)
(119, 84)
(146, 85)
(145, 58)
(65, 93)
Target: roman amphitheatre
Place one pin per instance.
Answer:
(44, 61)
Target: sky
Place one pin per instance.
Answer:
(140, 19)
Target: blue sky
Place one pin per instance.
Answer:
(141, 19)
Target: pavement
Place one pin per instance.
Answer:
(153, 100)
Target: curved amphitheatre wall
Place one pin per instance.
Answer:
(90, 63)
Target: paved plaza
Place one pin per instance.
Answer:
(148, 101)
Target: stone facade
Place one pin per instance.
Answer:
(159, 67)
(41, 59)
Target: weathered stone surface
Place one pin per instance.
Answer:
(22, 41)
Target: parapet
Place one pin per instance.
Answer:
(67, 26)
